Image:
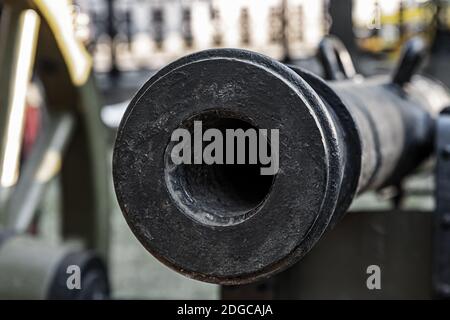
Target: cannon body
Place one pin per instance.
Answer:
(229, 224)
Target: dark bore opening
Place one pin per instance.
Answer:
(218, 194)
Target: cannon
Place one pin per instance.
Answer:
(230, 224)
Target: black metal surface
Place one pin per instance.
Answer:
(335, 139)
(441, 267)
(228, 252)
(413, 56)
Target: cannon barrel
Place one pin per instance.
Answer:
(230, 224)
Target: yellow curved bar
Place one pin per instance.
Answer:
(59, 18)
(424, 14)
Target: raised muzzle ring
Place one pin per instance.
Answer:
(227, 223)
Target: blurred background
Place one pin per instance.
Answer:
(128, 40)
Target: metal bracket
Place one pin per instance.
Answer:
(441, 250)
(413, 55)
(336, 60)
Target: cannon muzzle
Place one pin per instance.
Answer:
(229, 223)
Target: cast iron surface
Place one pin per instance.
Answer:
(231, 226)
(350, 158)
(265, 94)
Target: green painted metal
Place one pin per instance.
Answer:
(42, 164)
